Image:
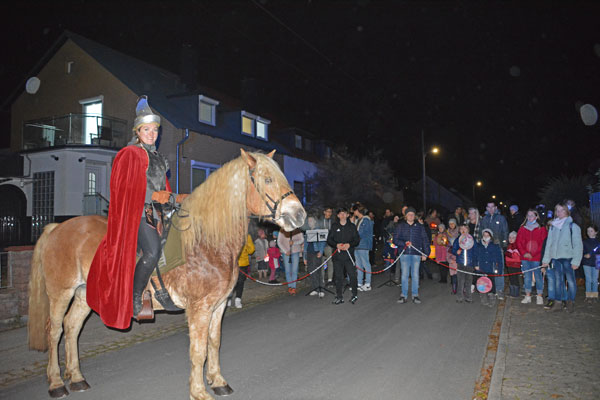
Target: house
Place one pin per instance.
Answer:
(76, 111)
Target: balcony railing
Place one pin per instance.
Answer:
(75, 129)
(94, 204)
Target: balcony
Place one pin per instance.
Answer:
(75, 130)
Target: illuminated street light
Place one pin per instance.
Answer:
(476, 184)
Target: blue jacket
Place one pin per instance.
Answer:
(489, 259)
(313, 247)
(365, 231)
(498, 225)
(466, 257)
(415, 234)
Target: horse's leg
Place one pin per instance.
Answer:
(213, 365)
(58, 308)
(73, 323)
(199, 316)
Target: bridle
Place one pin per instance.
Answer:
(272, 208)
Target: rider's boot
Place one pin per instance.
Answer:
(142, 300)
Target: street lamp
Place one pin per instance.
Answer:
(478, 184)
(494, 196)
(434, 150)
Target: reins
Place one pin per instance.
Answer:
(275, 205)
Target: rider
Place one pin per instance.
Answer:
(138, 177)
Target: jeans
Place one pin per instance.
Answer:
(528, 274)
(410, 266)
(291, 269)
(551, 276)
(562, 270)
(591, 278)
(498, 282)
(463, 289)
(362, 262)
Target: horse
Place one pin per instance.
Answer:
(213, 234)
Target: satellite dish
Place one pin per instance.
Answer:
(32, 85)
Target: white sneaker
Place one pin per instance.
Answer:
(228, 302)
(321, 294)
(472, 288)
(526, 300)
(238, 302)
(360, 288)
(539, 301)
(366, 287)
(313, 293)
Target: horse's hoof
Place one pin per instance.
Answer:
(79, 386)
(58, 393)
(223, 390)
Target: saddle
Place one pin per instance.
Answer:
(172, 256)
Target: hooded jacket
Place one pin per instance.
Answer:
(489, 258)
(531, 241)
(343, 234)
(498, 225)
(365, 232)
(415, 234)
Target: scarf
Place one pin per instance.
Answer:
(558, 222)
(466, 242)
(530, 226)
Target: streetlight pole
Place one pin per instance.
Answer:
(424, 175)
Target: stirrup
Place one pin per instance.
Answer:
(147, 311)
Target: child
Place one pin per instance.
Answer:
(488, 259)
(274, 254)
(512, 259)
(441, 242)
(463, 251)
(261, 245)
(591, 250)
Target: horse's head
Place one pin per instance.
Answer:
(269, 195)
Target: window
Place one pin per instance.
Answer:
(298, 141)
(43, 202)
(201, 171)
(255, 126)
(299, 190)
(307, 144)
(91, 183)
(92, 111)
(207, 108)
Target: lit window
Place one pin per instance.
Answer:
(91, 183)
(262, 129)
(207, 110)
(298, 141)
(92, 119)
(248, 126)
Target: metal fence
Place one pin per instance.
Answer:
(15, 231)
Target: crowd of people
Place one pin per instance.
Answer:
(545, 250)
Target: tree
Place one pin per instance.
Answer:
(343, 179)
(564, 187)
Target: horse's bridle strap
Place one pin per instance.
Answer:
(272, 208)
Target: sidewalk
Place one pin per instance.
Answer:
(547, 354)
(19, 363)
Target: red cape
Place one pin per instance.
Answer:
(110, 280)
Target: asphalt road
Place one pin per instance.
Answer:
(305, 348)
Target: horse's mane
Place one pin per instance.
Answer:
(217, 210)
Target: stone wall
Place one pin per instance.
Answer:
(14, 300)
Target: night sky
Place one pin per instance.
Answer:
(496, 85)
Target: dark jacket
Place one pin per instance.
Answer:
(498, 225)
(466, 257)
(514, 222)
(343, 234)
(591, 247)
(415, 234)
(489, 259)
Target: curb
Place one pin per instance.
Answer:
(495, 391)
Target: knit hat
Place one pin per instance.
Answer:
(488, 231)
(514, 208)
(451, 220)
(410, 210)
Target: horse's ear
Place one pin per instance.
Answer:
(271, 154)
(250, 160)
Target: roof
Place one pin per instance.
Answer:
(164, 90)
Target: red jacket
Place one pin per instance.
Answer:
(109, 289)
(512, 256)
(531, 242)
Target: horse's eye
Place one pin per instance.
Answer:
(268, 180)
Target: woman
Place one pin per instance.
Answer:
(591, 250)
(564, 250)
(530, 240)
(313, 257)
(291, 245)
(138, 178)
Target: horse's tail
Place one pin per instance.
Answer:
(39, 304)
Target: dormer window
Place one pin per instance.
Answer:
(298, 141)
(207, 110)
(255, 126)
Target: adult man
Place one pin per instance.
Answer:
(458, 216)
(496, 222)
(326, 223)
(515, 219)
(344, 237)
(364, 226)
(411, 234)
